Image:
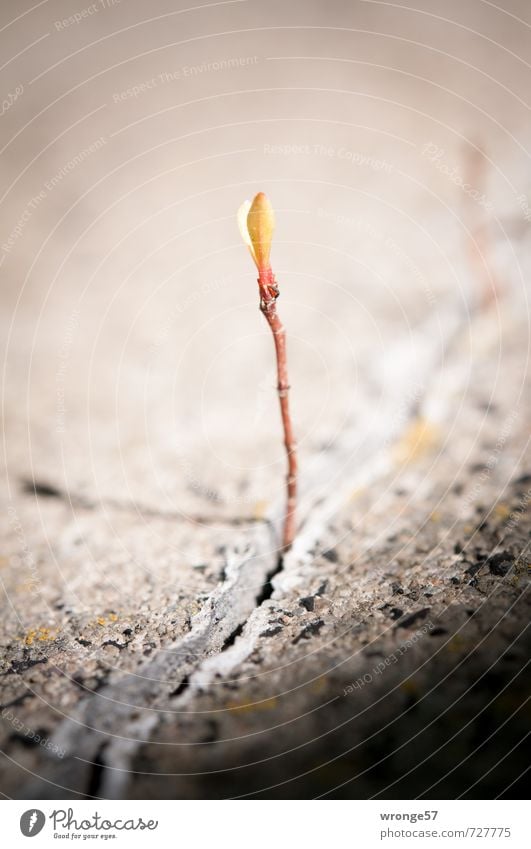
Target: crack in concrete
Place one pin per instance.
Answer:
(46, 489)
(115, 711)
(290, 569)
(228, 628)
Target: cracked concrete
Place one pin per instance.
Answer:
(234, 675)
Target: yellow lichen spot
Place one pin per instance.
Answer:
(27, 587)
(319, 685)
(435, 516)
(251, 707)
(113, 617)
(502, 511)
(269, 704)
(259, 509)
(419, 439)
(101, 620)
(456, 644)
(40, 634)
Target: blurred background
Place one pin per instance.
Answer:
(127, 297)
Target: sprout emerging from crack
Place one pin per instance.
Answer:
(256, 221)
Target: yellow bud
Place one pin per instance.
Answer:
(261, 225)
(256, 221)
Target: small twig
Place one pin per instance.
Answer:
(257, 224)
(268, 297)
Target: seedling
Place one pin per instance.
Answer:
(257, 223)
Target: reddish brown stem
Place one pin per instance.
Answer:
(268, 298)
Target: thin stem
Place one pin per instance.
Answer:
(268, 297)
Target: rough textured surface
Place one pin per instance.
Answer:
(153, 641)
(387, 659)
